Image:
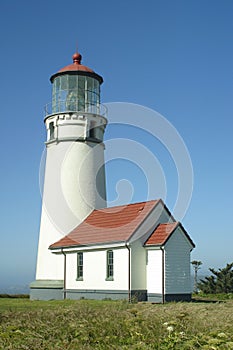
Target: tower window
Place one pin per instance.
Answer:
(109, 276)
(92, 130)
(80, 266)
(51, 131)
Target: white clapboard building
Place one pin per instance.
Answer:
(86, 250)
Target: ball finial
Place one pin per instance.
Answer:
(77, 58)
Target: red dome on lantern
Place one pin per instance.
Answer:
(77, 68)
(76, 65)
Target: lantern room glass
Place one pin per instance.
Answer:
(75, 93)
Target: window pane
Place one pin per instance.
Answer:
(72, 81)
(64, 82)
(96, 86)
(81, 82)
(71, 101)
(80, 256)
(90, 84)
(81, 99)
(57, 83)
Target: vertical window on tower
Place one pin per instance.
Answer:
(80, 266)
(92, 130)
(51, 131)
(109, 276)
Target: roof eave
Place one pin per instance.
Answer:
(77, 72)
(96, 244)
(187, 235)
(158, 245)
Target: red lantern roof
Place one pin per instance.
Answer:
(76, 65)
(77, 68)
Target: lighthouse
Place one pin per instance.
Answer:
(74, 175)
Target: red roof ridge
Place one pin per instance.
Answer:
(129, 204)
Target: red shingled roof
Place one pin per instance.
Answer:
(162, 233)
(115, 224)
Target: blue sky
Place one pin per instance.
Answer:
(174, 57)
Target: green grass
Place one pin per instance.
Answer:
(86, 324)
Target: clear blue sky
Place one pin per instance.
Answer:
(175, 57)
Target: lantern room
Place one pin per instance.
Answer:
(75, 112)
(76, 88)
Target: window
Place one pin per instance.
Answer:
(51, 131)
(92, 130)
(109, 265)
(80, 266)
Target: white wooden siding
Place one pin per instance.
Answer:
(177, 264)
(94, 270)
(138, 253)
(138, 266)
(154, 271)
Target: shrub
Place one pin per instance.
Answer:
(221, 281)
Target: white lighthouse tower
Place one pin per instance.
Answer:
(74, 179)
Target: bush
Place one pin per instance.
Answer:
(221, 281)
(15, 296)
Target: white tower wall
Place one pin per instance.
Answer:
(74, 184)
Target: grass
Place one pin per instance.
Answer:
(89, 324)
